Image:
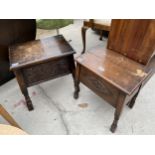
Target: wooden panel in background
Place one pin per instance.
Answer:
(13, 31)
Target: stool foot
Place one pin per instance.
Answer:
(29, 104)
(76, 95)
(113, 127)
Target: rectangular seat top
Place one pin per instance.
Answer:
(38, 51)
(116, 69)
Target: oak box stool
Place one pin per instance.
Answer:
(41, 60)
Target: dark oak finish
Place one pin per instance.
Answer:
(13, 31)
(114, 76)
(101, 26)
(41, 60)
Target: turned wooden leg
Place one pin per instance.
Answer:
(74, 80)
(8, 117)
(133, 100)
(77, 82)
(72, 69)
(83, 31)
(77, 90)
(23, 88)
(101, 35)
(28, 100)
(114, 124)
(119, 107)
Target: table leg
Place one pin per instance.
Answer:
(23, 88)
(77, 82)
(83, 32)
(118, 111)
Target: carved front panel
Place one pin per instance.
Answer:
(99, 86)
(46, 71)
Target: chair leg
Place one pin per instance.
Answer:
(115, 121)
(83, 32)
(57, 30)
(8, 117)
(77, 82)
(73, 71)
(133, 100)
(118, 111)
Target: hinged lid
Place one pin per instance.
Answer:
(39, 51)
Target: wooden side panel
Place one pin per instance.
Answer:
(46, 71)
(134, 38)
(99, 86)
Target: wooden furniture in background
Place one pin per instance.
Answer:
(13, 31)
(8, 117)
(41, 60)
(117, 74)
(98, 24)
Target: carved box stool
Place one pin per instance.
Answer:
(41, 60)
